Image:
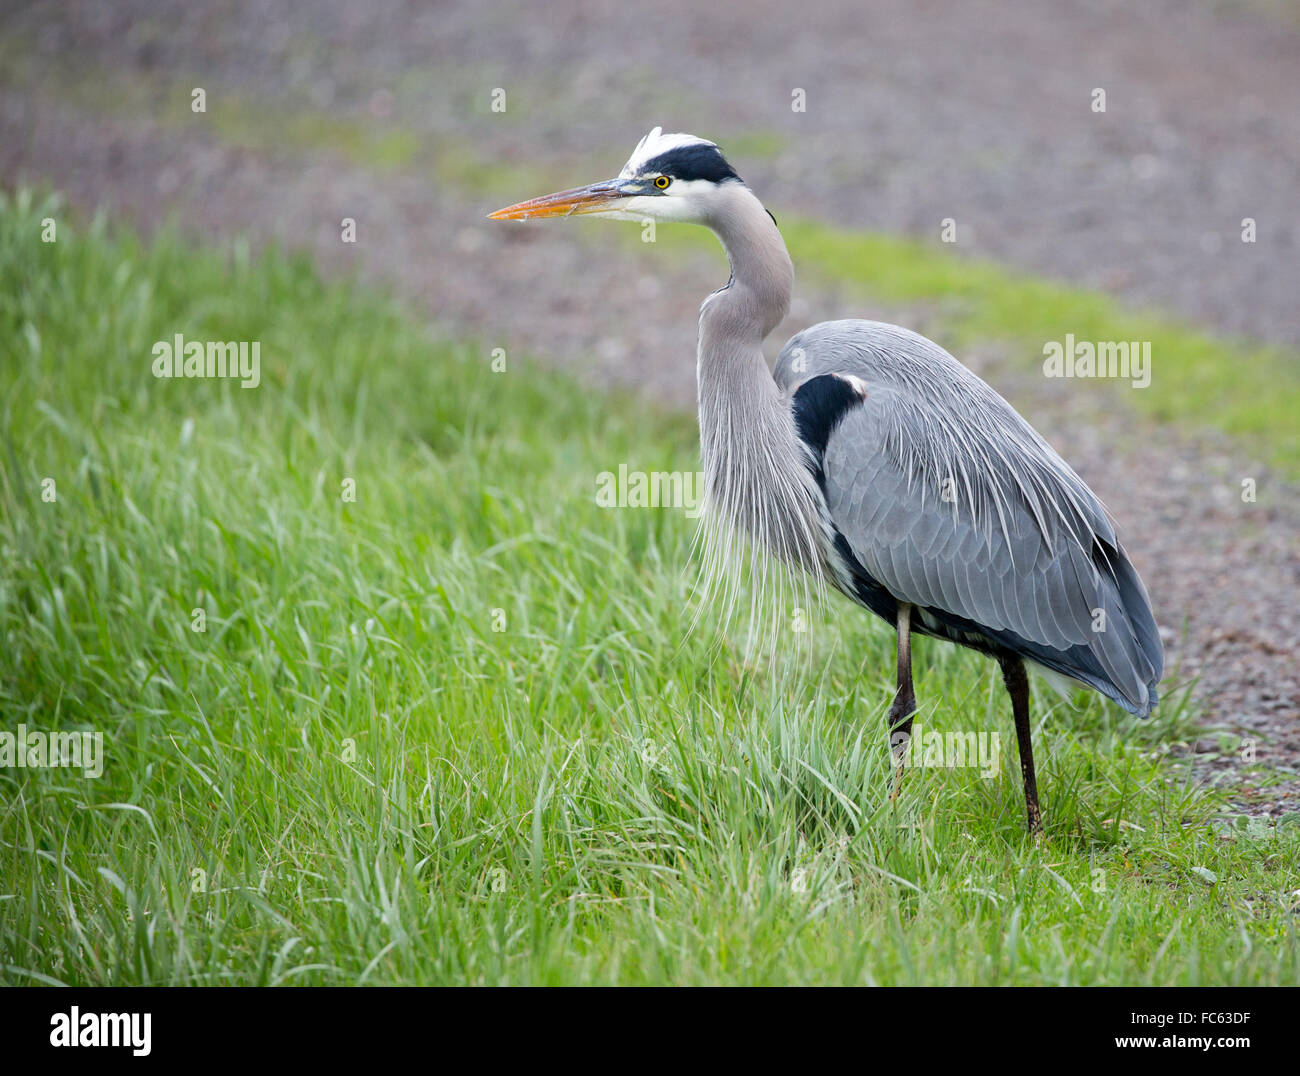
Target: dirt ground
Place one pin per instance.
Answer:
(916, 111)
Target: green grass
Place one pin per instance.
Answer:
(351, 777)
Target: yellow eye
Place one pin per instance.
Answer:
(662, 182)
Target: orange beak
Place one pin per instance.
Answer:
(594, 199)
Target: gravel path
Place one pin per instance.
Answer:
(964, 111)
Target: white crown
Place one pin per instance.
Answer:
(655, 143)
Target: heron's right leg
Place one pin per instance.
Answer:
(900, 713)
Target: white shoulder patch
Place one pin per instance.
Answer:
(655, 143)
(855, 383)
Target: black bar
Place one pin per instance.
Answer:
(336, 1026)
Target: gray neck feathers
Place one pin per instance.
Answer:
(757, 481)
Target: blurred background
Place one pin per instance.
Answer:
(864, 127)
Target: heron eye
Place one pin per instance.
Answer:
(662, 182)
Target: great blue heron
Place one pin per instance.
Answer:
(872, 459)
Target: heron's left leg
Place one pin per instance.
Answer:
(900, 713)
(1013, 675)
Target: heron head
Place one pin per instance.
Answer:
(668, 177)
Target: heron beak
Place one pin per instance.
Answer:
(598, 198)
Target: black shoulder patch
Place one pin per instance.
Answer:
(696, 161)
(819, 406)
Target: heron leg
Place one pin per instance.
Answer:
(1017, 682)
(900, 713)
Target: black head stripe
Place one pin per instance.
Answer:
(696, 161)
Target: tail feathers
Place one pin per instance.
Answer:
(1121, 656)
(1080, 663)
(1127, 643)
(1124, 661)
(1133, 597)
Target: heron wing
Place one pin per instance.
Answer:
(953, 503)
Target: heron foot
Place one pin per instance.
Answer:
(900, 736)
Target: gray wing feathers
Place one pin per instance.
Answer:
(951, 500)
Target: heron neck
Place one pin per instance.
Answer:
(731, 372)
(730, 369)
(755, 476)
(762, 276)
